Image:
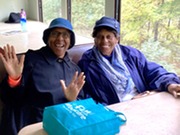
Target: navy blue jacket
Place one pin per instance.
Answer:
(146, 75)
(40, 87)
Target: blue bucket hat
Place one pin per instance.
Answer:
(108, 22)
(59, 23)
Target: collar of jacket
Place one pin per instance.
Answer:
(51, 58)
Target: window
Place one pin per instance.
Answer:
(153, 26)
(82, 14)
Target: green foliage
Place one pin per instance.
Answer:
(51, 9)
(155, 52)
(153, 26)
(85, 13)
(142, 16)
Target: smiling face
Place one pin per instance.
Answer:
(106, 40)
(59, 41)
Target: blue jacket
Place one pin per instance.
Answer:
(40, 87)
(145, 74)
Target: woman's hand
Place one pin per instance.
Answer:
(72, 90)
(12, 64)
(174, 89)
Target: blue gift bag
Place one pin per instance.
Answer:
(82, 117)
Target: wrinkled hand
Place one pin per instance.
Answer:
(174, 89)
(11, 63)
(72, 90)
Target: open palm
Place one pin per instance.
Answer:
(12, 64)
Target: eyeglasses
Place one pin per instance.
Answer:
(56, 34)
(102, 37)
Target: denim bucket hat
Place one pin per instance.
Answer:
(59, 23)
(108, 22)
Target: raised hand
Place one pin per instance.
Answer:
(12, 64)
(72, 90)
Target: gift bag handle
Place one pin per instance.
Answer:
(122, 117)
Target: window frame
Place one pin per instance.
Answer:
(117, 10)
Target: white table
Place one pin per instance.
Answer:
(157, 114)
(22, 41)
(10, 33)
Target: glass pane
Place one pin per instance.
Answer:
(51, 9)
(153, 27)
(84, 15)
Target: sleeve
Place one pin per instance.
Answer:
(13, 83)
(156, 75)
(11, 95)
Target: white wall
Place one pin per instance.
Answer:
(33, 10)
(8, 6)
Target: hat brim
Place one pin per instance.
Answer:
(106, 25)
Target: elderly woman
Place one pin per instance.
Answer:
(117, 73)
(41, 78)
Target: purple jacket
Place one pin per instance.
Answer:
(145, 74)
